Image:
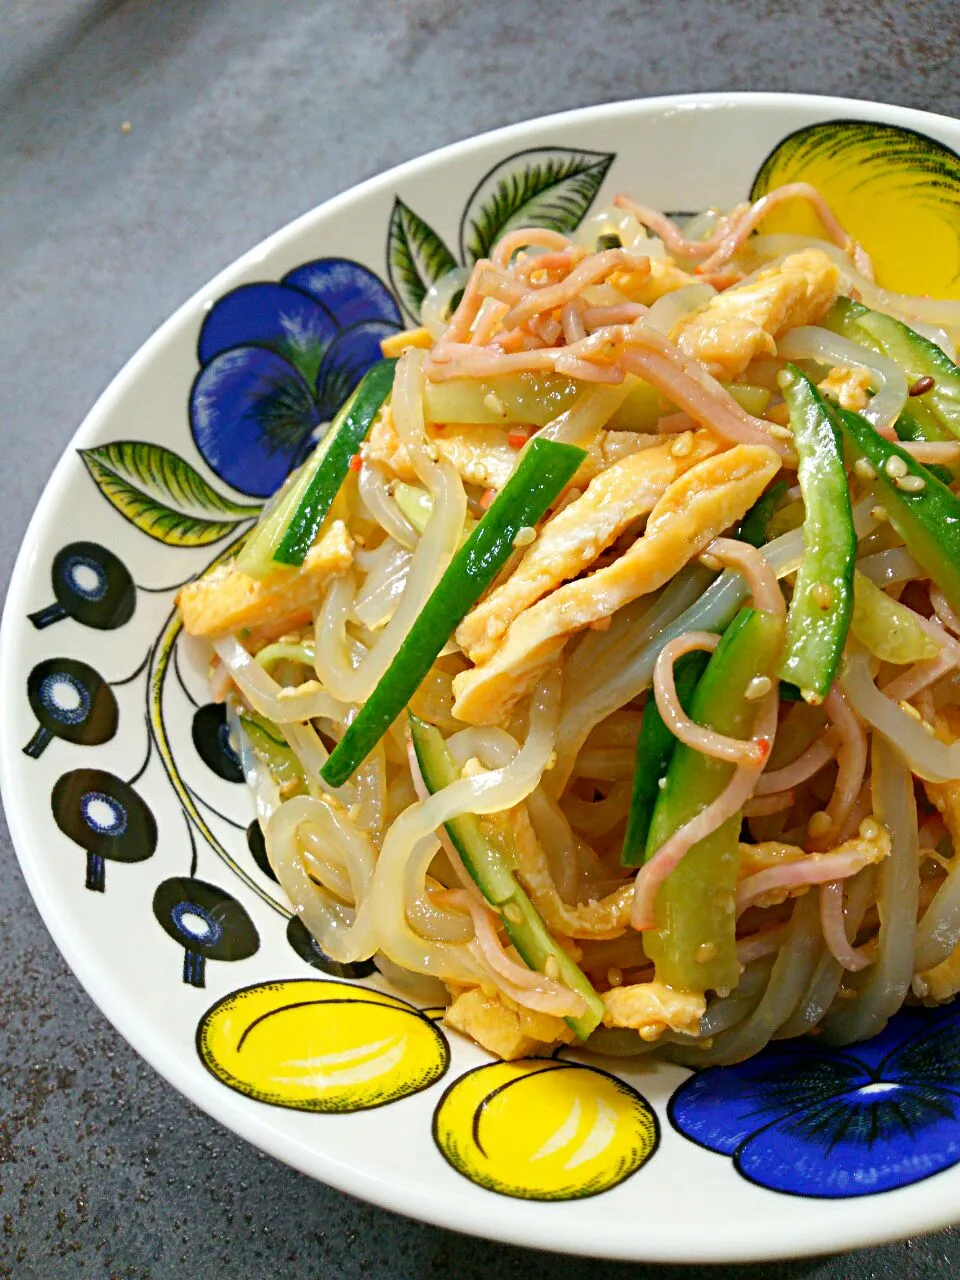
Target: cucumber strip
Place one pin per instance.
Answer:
(819, 615)
(655, 747)
(919, 358)
(926, 514)
(693, 945)
(271, 749)
(489, 870)
(923, 418)
(542, 472)
(753, 527)
(341, 442)
(287, 530)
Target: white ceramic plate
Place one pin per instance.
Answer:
(130, 825)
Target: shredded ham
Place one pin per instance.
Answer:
(591, 271)
(755, 567)
(616, 313)
(834, 929)
(763, 943)
(765, 806)
(747, 223)
(572, 318)
(814, 869)
(527, 987)
(671, 235)
(671, 853)
(734, 229)
(851, 743)
(810, 762)
(717, 745)
(529, 238)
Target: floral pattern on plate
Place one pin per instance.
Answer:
(810, 1120)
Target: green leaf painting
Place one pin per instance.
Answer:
(545, 187)
(416, 258)
(164, 496)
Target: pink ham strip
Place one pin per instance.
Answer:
(766, 806)
(834, 928)
(670, 233)
(815, 868)
(816, 756)
(755, 567)
(592, 270)
(572, 317)
(756, 945)
(526, 986)
(617, 313)
(728, 802)
(717, 745)
(851, 753)
(745, 225)
(528, 238)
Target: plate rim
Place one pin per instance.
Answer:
(857, 1227)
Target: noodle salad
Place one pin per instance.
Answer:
(598, 674)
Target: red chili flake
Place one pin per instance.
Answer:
(517, 439)
(356, 463)
(488, 498)
(922, 386)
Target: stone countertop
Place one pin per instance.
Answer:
(241, 115)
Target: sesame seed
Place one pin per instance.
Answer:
(781, 433)
(869, 829)
(126, 127)
(784, 379)
(662, 782)
(822, 595)
(615, 977)
(911, 484)
(551, 967)
(864, 469)
(811, 697)
(706, 952)
(895, 467)
(525, 536)
(682, 446)
(820, 823)
(879, 514)
(922, 386)
(513, 913)
(494, 403)
(757, 687)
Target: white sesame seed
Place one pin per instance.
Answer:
(911, 484)
(864, 469)
(525, 536)
(879, 514)
(757, 687)
(781, 433)
(895, 466)
(820, 823)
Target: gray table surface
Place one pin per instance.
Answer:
(245, 113)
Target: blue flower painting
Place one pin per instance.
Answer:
(277, 360)
(809, 1120)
